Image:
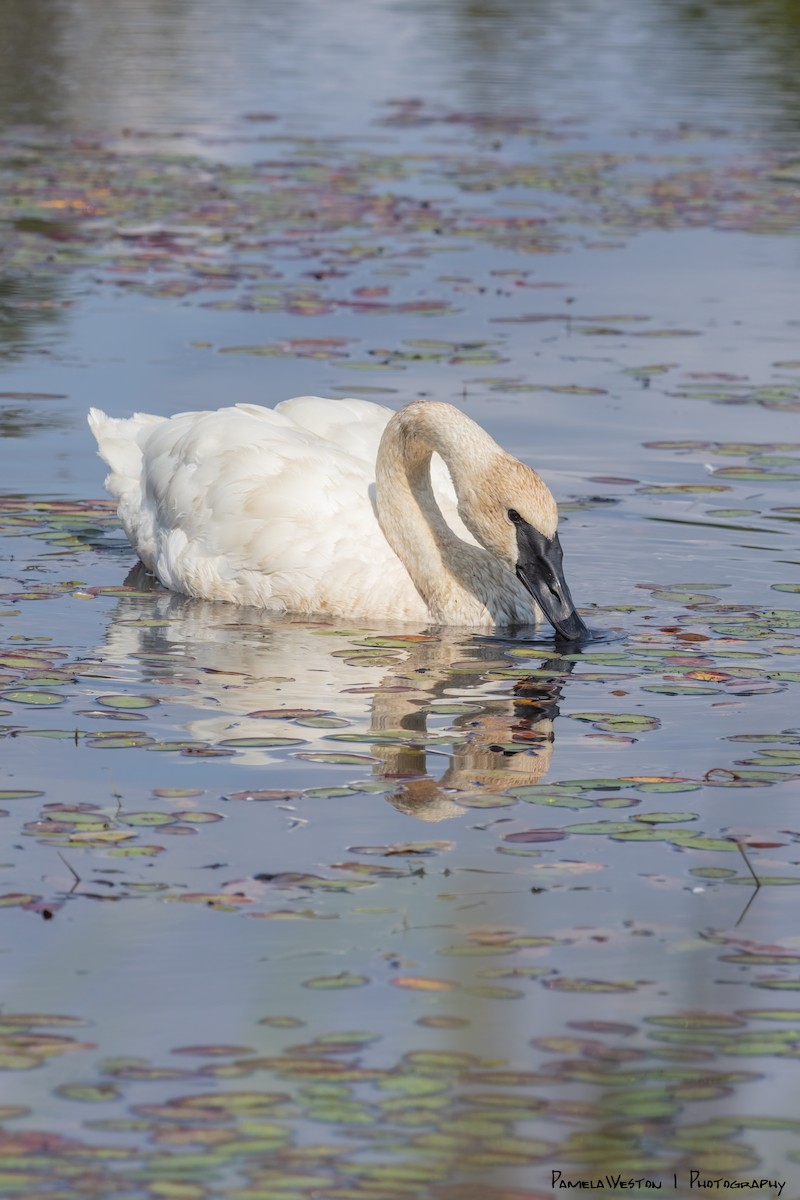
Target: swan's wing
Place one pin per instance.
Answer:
(357, 427)
(354, 425)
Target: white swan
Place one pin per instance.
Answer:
(335, 506)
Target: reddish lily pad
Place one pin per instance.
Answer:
(285, 795)
(417, 983)
(536, 835)
(89, 1093)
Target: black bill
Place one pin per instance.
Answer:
(540, 570)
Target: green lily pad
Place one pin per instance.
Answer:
(18, 899)
(18, 1061)
(486, 800)
(64, 735)
(707, 843)
(602, 828)
(490, 991)
(681, 689)
(195, 817)
(136, 851)
(600, 986)
(770, 1014)
(177, 793)
(336, 982)
(666, 785)
(322, 722)
(665, 817)
(145, 818)
(754, 475)
(134, 741)
(330, 793)
(554, 800)
(618, 722)
(402, 849)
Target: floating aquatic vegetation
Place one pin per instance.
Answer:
(485, 710)
(287, 233)
(262, 782)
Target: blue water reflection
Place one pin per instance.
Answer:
(622, 1001)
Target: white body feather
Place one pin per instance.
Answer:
(276, 508)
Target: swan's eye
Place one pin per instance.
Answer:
(514, 516)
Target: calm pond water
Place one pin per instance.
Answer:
(292, 909)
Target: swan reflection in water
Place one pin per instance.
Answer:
(230, 665)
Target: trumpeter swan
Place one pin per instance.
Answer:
(335, 506)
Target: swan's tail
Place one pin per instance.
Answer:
(120, 444)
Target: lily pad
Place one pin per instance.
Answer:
(336, 982)
(89, 1093)
(535, 835)
(127, 701)
(618, 722)
(341, 760)
(245, 743)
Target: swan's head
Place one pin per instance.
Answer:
(511, 511)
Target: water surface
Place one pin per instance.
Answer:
(293, 908)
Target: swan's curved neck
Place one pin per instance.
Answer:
(456, 580)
